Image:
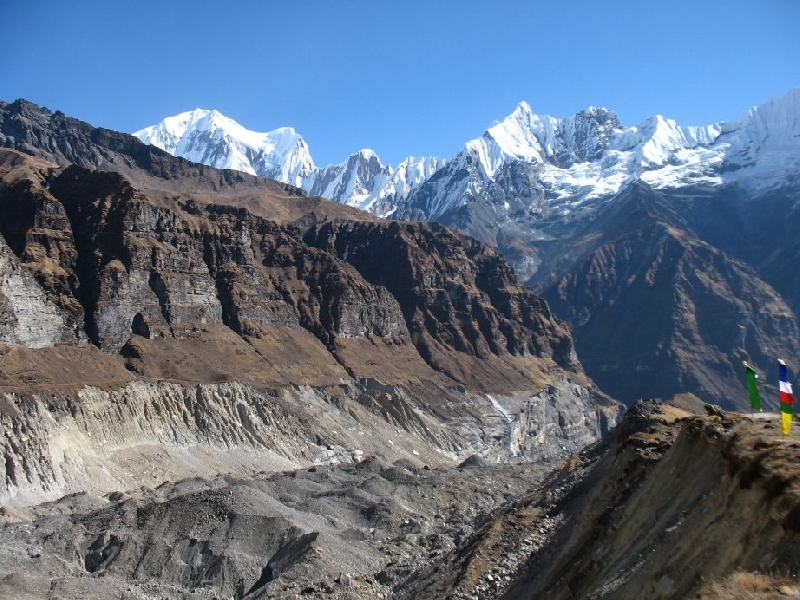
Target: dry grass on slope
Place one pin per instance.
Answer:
(750, 586)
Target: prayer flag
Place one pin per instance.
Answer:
(787, 398)
(752, 386)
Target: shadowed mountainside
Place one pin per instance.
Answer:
(653, 306)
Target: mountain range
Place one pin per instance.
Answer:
(121, 264)
(579, 160)
(213, 384)
(665, 248)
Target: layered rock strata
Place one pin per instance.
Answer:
(425, 329)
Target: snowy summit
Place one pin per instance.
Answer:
(588, 156)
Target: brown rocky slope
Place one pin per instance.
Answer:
(668, 505)
(671, 517)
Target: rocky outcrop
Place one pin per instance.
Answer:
(665, 509)
(37, 254)
(666, 504)
(553, 424)
(453, 291)
(27, 316)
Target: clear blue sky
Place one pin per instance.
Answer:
(415, 77)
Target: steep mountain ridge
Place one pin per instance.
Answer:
(154, 270)
(542, 191)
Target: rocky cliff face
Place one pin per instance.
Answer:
(132, 265)
(165, 270)
(455, 293)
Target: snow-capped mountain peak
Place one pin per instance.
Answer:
(209, 137)
(765, 136)
(529, 137)
(585, 157)
(523, 134)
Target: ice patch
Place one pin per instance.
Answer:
(500, 409)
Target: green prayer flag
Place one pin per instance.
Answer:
(752, 386)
